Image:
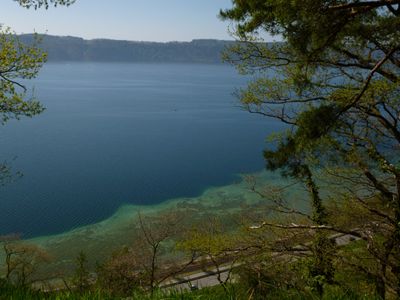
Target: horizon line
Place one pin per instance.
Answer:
(127, 40)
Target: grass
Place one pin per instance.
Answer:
(214, 293)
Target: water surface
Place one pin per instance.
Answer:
(117, 134)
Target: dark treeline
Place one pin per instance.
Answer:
(103, 50)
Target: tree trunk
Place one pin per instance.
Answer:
(380, 287)
(322, 269)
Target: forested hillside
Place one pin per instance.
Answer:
(103, 50)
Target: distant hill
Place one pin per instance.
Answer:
(69, 48)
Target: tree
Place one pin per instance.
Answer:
(334, 79)
(81, 277)
(213, 243)
(17, 62)
(20, 62)
(150, 260)
(121, 274)
(154, 234)
(21, 260)
(43, 3)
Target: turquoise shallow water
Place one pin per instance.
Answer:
(99, 240)
(117, 136)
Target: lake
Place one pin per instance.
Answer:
(117, 134)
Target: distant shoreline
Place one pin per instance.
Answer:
(138, 63)
(75, 49)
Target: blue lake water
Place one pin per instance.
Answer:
(115, 134)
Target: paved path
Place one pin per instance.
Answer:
(199, 280)
(208, 279)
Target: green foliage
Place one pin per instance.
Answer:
(334, 79)
(81, 277)
(215, 293)
(321, 269)
(312, 25)
(17, 62)
(43, 3)
(120, 275)
(211, 239)
(11, 292)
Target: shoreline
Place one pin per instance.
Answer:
(100, 240)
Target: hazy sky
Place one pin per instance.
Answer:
(148, 20)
